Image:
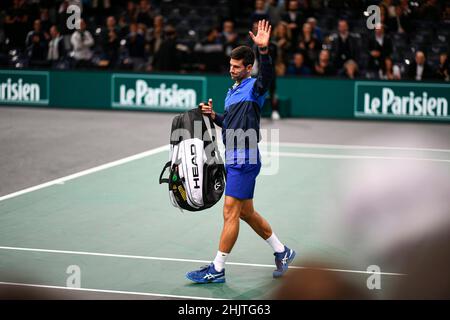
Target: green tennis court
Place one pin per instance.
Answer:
(117, 225)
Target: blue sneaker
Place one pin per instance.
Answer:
(206, 274)
(282, 261)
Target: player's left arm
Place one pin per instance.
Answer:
(261, 40)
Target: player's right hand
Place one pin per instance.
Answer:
(207, 108)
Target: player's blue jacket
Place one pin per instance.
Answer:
(243, 105)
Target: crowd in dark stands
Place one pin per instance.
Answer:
(326, 38)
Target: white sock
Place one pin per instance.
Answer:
(276, 245)
(219, 261)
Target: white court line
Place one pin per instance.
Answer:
(335, 156)
(287, 154)
(352, 147)
(182, 260)
(106, 291)
(86, 172)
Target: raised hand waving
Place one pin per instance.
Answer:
(262, 35)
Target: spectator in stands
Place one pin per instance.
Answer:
(229, 36)
(45, 21)
(136, 46)
(420, 69)
(111, 43)
(111, 26)
(36, 45)
(275, 11)
(260, 12)
(316, 30)
(443, 70)
(56, 49)
(167, 57)
(122, 27)
(298, 67)
(145, 13)
(343, 45)
(308, 45)
(82, 42)
(388, 8)
(349, 70)
(62, 17)
(211, 52)
(283, 40)
(389, 71)
(323, 66)
(446, 14)
(16, 24)
(383, 19)
(294, 18)
(155, 36)
(380, 47)
(401, 22)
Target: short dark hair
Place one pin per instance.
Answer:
(243, 53)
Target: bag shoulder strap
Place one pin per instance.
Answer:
(165, 180)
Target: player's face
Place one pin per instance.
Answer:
(238, 71)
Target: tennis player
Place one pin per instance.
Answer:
(240, 132)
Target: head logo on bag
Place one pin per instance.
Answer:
(196, 171)
(195, 174)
